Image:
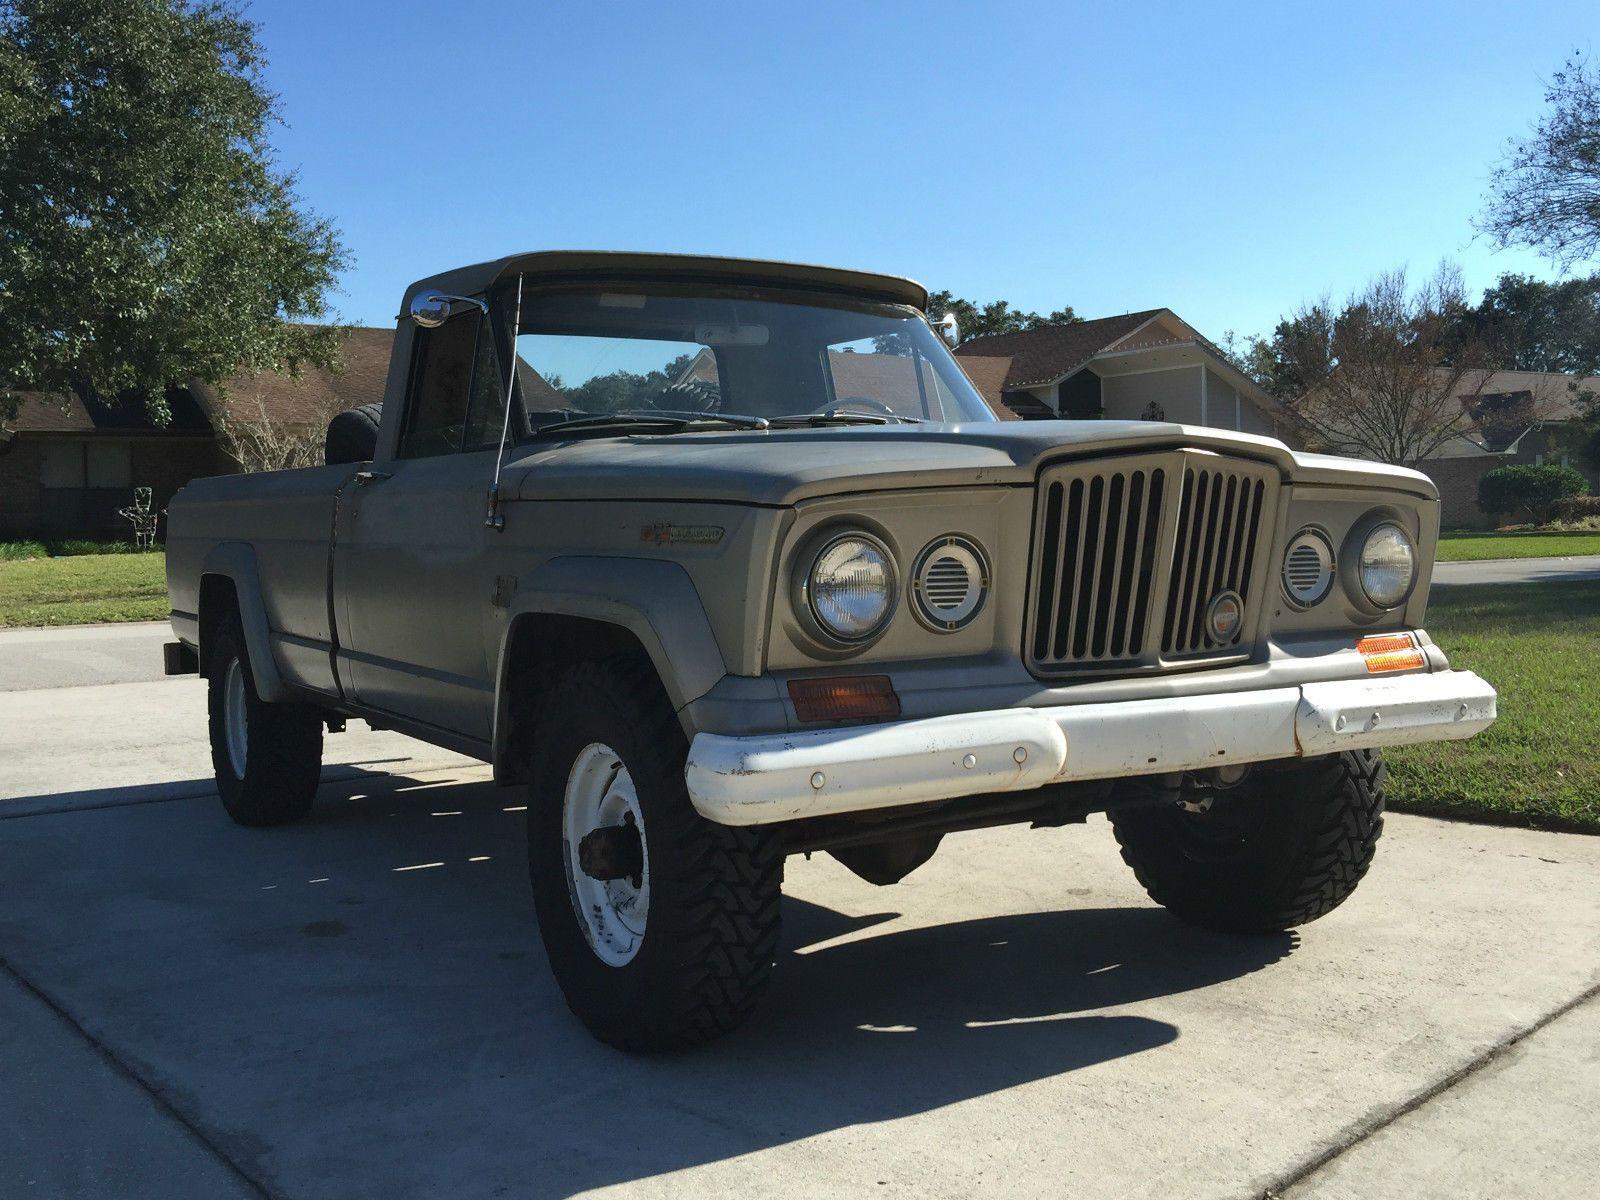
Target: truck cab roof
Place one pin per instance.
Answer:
(557, 265)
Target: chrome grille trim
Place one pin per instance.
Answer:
(1128, 553)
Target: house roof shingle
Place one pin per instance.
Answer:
(988, 374)
(1051, 351)
(317, 394)
(306, 400)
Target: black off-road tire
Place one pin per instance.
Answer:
(711, 930)
(283, 747)
(1288, 845)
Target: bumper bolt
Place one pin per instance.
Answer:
(818, 779)
(970, 761)
(1019, 755)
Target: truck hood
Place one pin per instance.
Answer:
(783, 467)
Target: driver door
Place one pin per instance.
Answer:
(410, 563)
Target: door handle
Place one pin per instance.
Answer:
(365, 477)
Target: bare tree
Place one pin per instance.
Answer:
(260, 440)
(1389, 375)
(1546, 192)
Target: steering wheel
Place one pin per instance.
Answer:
(866, 402)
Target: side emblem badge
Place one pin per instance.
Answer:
(695, 535)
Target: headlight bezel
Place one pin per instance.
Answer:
(804, 599)
(1354, 551)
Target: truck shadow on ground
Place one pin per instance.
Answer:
(360, 1005)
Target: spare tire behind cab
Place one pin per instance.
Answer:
(353, 435)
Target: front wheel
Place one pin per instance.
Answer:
(660, 926)
(267, 757)
(1283, 847)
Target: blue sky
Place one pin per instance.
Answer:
(1226, 162)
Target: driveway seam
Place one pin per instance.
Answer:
(1354, 1135)
(123, 1069)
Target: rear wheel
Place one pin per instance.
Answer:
(267, 757)
(1283, 847)
(660, 926)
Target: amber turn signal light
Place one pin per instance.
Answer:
(844, 697)
(1390, 652)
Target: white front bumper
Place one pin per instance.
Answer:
(780, 777)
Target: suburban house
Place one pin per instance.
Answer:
(69, 462)
(1516, 417)
(1149, 366)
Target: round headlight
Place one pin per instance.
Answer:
(1388, 565)
(850, 588)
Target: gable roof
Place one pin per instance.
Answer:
(307, 400)
(1045, 354)
(317, 394)
(70, 412)
(988, 374)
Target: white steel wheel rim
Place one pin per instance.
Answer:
(236, 717)
(611, 912)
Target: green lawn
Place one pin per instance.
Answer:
(83, 589)
(1469, 547)
(1539, 764)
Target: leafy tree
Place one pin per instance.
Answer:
(147, 238)
(1535, 490)
(620, 391)
(1534, 325)
(1545, 194)
(997, 316)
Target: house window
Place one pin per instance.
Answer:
(108, 464)
(87, 464)
(61, 465)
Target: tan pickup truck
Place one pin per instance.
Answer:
(736, 564)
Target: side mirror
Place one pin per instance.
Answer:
(948, 329)
(432, 309)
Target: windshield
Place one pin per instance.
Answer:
(733, 352)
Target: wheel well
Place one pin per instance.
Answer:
(217, 599)
(539, 649)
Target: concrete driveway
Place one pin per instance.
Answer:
(359, 1006)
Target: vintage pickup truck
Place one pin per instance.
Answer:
(733, 563)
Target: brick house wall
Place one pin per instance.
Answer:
(1457, 478)
(30, 510)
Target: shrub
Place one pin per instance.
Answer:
(1530, 489)
(1576, 508)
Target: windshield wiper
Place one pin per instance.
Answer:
(796, 420)
(654, 422)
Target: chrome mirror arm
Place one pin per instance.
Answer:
(432, 309)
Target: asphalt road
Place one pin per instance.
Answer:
(1518, 570)
(359, 1006)
(76, 655)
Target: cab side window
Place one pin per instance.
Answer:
(441, 386)
(487, 405)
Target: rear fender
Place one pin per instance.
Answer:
(236, 562)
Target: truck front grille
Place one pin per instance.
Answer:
(1130, 552)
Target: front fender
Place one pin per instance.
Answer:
(655, 601)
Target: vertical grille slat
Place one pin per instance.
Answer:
(1116, 539)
